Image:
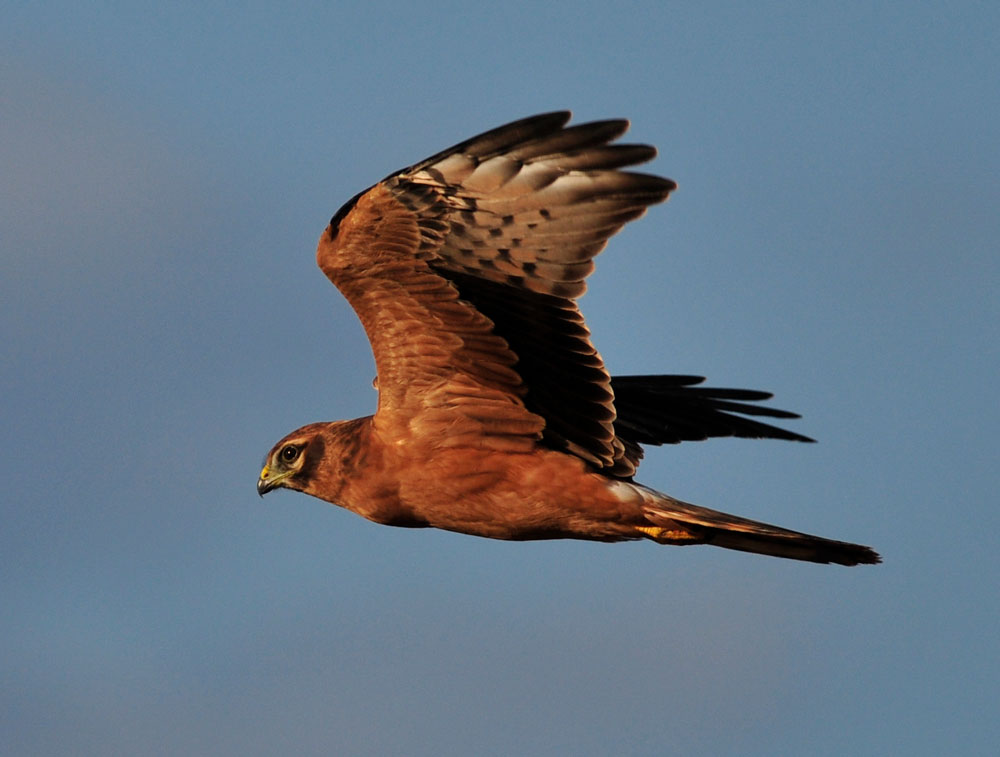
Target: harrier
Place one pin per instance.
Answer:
(496, 415)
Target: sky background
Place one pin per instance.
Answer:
(166, 171)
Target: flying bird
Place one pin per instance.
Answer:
(496, 415)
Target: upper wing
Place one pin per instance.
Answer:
(672, 409)
(465, 268)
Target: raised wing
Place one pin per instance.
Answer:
(465, 268)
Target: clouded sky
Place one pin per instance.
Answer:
(167, 169)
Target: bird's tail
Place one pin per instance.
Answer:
(674, 522)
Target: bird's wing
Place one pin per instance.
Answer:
(465, 269)
(672, 409)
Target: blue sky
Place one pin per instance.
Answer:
(166, 173)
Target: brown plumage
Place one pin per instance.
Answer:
(496, 416)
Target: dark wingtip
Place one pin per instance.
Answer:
(845, 553)
(869, 556)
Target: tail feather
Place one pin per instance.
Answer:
(676, 522)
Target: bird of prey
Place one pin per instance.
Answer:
(496, 415)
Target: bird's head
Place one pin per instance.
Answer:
(292, 462)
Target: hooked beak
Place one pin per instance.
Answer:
(269, 480)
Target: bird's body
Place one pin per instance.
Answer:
(532, 494)
(496, 416)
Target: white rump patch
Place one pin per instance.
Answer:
(626, 492)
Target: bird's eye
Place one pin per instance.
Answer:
(289, 453)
